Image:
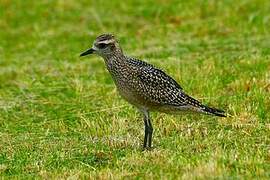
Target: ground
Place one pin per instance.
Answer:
(61, 116)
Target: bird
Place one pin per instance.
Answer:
(145, 86)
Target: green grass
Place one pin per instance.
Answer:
(60, 115)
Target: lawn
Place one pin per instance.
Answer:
(61, 116)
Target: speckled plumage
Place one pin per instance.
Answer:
(145, 86)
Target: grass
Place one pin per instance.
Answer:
(60, 115)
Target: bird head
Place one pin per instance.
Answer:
(104, 45)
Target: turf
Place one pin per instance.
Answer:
(61, 116)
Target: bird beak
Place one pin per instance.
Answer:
(89, 51)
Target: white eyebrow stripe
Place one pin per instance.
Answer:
(108, 41)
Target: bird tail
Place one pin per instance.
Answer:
(199, 107)
(213, 111)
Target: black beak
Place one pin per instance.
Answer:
(89, 51)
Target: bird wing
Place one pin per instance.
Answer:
(160, 88)
(148, 69)
(157, 87)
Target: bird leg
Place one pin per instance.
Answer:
(148, 130)
(145, 133)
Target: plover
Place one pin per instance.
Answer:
(145, 86)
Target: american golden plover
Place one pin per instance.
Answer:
(145, 86)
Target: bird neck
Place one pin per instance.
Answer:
(115, 60)
(117, 65)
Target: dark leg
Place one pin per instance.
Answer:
(150, 132)
(145, 132)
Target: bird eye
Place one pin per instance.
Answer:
(102, 45)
